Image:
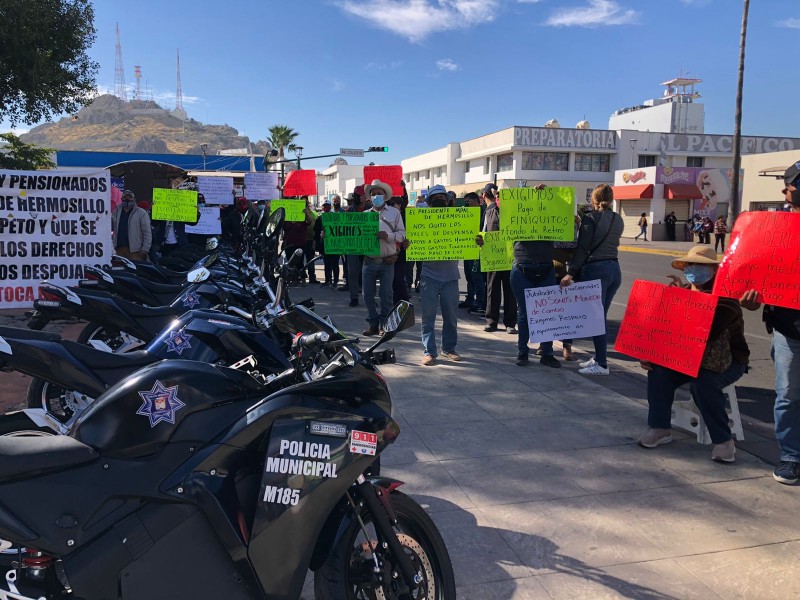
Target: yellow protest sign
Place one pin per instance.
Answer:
(294, 208)
(497, 252)
(174, 205)
(442, 233)
(527, 214)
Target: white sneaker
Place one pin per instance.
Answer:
(594, 369)
(587, 363)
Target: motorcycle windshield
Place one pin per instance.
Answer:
(300, 320)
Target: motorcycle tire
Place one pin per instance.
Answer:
(18, 424)
(96, 331)
(54, 399)
(350, 559)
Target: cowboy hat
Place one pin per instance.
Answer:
(377, 184)
(699, 255)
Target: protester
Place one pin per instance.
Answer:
(596, 257)
(476, 284)
(354, 261)
(294, 235)
(439, 287)
(391, 231)
(642, 227)
(688, 229)
(400, 290)
(670, 221)
(498, 283)
(331, 261)
(131, 226)
(720, 229)
(563, 255)
(707, 228)
(308, 247)
(784, 324)
(724, 362)
(168, 236)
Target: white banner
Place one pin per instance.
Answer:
(208, 224)
(556, 313)
(52, 224)
(261, 186)
(217, 190)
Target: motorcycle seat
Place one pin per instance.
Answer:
(138, 311)
(28, 456)
(100, 360)
(161, 288)
(18, 333)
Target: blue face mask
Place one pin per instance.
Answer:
(699, 274)
(378, 201)
(261, 207)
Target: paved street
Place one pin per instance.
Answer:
(533, 477)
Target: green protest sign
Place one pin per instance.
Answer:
(351, 233)
(294, 208)
(497, 252)
(174, 205)
(442, 233)
(528, 214)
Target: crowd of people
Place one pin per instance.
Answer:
(499, 297)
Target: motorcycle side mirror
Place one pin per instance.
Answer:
(275, 223)
(296, 260)
(198, 275)
(211, 244)
(400, 318)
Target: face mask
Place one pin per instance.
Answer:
(201, 205)
(699, 274)
(128, 204)
(794, 198)
(261, 207)
(378, 201)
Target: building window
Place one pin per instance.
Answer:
(438, 171)
(545, 161)
(505, 162)
(488, 165)
(416, 176)
(696, 161)
(647, 160)
(599, 163)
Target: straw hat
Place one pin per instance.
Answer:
(699, 255)
(377, 184)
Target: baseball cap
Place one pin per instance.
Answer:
(490, 188)
(791, 176)
(326, 201)
(129, 193)
(437, 189)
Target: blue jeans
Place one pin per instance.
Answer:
(610, 276)
(534, 276)
(374, 271)
(706, 390)
(444, 294)
(786, 354)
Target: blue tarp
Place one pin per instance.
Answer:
(188, 162)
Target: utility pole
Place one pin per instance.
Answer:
(733, 204)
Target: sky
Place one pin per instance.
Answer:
(414, 75)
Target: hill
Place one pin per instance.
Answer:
(113, 125)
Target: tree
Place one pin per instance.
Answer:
(20, 156)
(282, 138)
(45, 69)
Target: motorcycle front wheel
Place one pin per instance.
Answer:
(348, 574)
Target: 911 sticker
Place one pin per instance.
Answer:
(362, 442)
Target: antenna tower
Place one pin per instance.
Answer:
(179, 91)
(137, 72)
(120, 91)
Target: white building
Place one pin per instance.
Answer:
(341, 178)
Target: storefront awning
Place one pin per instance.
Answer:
(682, 191)
(632, 192)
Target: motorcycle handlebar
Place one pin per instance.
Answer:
(310, 340)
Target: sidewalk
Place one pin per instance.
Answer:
(663, 248)
(535, 481)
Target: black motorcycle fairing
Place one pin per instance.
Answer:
(139, 415)
(222, 339)
(27, 334)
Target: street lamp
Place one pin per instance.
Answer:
(203, 148)
(633, 148)
(298, 150)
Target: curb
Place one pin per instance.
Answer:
(659, 251)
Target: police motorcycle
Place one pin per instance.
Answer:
(192, 480)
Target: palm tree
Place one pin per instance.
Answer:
(282, 138)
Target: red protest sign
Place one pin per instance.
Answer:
(763, 255)
(666, 325)
(300, 183)
(391, 174)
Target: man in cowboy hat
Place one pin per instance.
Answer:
(391, 232)
(784, 324)
(724, 362)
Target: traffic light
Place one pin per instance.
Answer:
(378, 149)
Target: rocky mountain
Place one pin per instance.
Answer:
(113, 125)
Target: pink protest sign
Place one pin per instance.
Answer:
(391, 174)
(763, 255)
